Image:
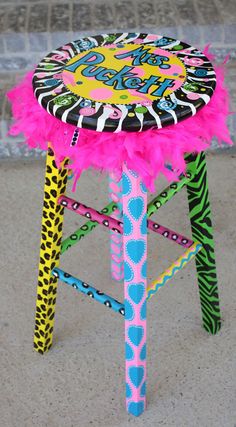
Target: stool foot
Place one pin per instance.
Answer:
(200, 217)
(116, 240)
(135, 254)
(52, 220)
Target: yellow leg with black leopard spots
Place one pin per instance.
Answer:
(50, 247)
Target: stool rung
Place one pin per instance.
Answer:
(84, 229)
(168, 193)
(169, 234)
(91, 213)
(173, 269)
(116, 225)
(89, 290)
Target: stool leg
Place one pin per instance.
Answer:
(52, 220)
(135, 254)
(116, 240)
(200, 217)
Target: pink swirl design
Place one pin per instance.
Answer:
(143, 99)
(115, 112)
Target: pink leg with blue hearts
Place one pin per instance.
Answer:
(116, 241)
(135, 254)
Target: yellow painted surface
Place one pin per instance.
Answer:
(84, 86)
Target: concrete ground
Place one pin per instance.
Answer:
(80, 381)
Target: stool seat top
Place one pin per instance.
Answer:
(124, 82)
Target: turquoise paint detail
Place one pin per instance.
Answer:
(128, 391)
(144, 270)
(126, 185)
(143, 311)
(143, 187)
(129, 312)
(129, 354)
(136, 292)
(143, 227)
(135, 207)
(143, 390)
(136, 408)
(135, 250)
(136, 374)
(143, 352)
(128, 272)
(128, 227)
(135, 334)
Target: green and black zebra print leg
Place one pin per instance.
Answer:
(200, 217)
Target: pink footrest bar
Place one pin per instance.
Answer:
(117, 226)
(169, 234)
(91, 213)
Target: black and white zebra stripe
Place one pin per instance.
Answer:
(183, 107)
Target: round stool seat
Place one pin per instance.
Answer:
(124, 82)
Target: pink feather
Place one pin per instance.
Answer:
(146, 152)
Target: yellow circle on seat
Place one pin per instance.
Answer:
(124, 74)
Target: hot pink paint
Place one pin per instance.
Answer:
(146, 152)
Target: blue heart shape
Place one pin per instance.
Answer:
(128, 227)
(143, 353)
(143, 389)
(143, 187)
(135, 207)
(143, 311)
(129, 354)
(135, 250)
(144, 270)
(136, 374)
(128, 272)
(126, 185)
(128, 391)
(136, 408)
(129, 312)
(143, 227)
(136, 292)
(135, 334)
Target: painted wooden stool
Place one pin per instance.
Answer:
(126, 85)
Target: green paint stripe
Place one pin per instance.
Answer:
(157, 202)
(167, 194)
(200, 216)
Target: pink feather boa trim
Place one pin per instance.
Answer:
(145, 152)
